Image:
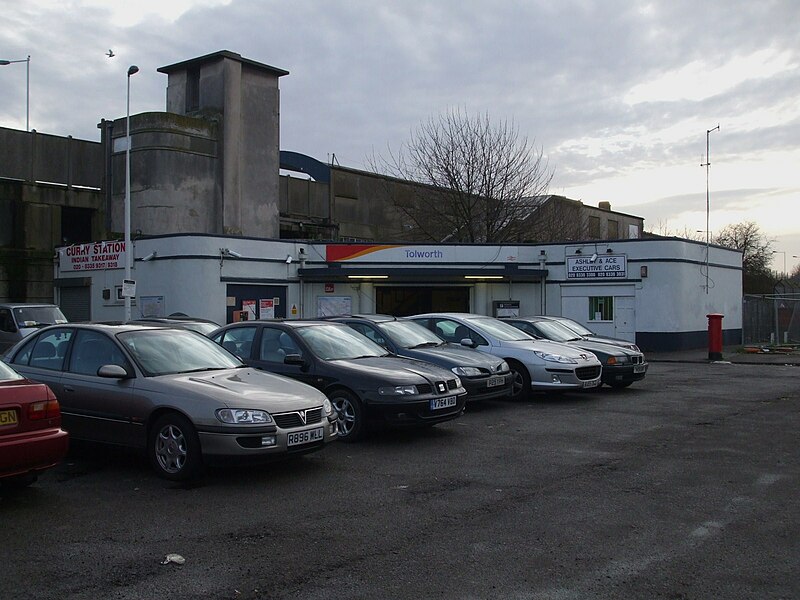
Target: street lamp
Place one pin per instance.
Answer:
(132, 70)
(707, 164)
(27, 61)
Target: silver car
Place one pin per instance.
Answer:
(173, 392)
(537, 365)
(19, 319)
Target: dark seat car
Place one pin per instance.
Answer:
(31, 438)
(484, 376)
(362, 380)
(622, 365)
(174, 393)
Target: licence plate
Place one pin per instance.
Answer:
(591, 384)
(8, 417)
(495, 381)
(639, 368)
(304, 437)
(438, 403)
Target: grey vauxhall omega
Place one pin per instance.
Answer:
(174, 393)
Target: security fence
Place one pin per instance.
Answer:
(771, 318)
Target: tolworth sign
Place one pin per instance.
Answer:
(606, 266)
(92, 257)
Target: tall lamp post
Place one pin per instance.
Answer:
(784, 260)
(707, 164)
(132, 70)
(27, 61)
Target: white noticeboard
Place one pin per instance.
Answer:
(128, 288)
(331, 306)
(266, 309)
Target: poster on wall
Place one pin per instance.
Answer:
(266, 308)
(331, 306)
(249, 306)
(152, 306)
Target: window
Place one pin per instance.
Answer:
(92, 350)
(593, 227)
(6, 322)
(46, 351)
(601, 308)
(613, 229)
(239, 341)
(370, 333)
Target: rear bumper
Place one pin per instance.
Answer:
(32, 451)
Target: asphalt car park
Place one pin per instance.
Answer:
(683, 486)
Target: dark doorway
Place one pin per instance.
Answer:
(404, 301)
(76, 225)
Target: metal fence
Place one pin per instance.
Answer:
(771, 318)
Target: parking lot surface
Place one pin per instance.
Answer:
(682, 486)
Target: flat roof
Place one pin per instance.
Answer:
(219, 55)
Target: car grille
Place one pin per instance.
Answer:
(294, 419)
(637, 359)
(585, 373)
(426, 388)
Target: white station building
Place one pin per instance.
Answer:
(656, 292)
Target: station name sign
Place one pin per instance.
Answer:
(605, 266)
(96, 256)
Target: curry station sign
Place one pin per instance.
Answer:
(92, 257)
(597, 266)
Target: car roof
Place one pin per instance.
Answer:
(294, 323)
(25, 304)
(375, 318)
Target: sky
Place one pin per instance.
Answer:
(619, 95)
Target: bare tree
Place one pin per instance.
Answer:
(480, 180)
(756, 251)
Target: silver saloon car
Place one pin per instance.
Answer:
(537, 365)
(174, 393)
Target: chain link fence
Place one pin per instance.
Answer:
(772, 318)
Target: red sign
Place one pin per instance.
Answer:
(328, 288)
(92, 257)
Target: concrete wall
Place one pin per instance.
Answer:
(175, 170)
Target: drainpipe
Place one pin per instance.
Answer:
(543, 282)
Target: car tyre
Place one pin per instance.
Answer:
(174, 448)
(351, 415)
(521, 381)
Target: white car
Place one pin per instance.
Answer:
(537, 365)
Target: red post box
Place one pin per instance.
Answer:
(715, 336)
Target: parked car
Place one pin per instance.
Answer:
(482, 375)
(537, 365)
(204, 326)
(174, 393)
(587, 333)
(362, 380)
(31, 438)
(20, 319)
(621, 366)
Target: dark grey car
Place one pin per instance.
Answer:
(174, 393)
(484, 376)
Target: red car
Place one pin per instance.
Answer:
(31, 438)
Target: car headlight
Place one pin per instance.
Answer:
(398, 390)
(327, 407)
(466, 371)
(235, 416)
(616, 360)
(555, 357)
(503, 367)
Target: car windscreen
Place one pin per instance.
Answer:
(8, 374)
(556, 332)
(168, 351)
(498, 329)
(337, 342)
(36, 316)
(200, 326)
(575, 326)
(409, 334)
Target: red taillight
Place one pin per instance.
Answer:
(48, 409)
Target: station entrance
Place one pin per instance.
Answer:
(403, 301)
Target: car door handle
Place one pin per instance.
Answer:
(69, 388)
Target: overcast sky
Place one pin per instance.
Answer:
(618, 95)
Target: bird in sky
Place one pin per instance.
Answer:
(110, 53)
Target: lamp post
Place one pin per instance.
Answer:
(132, 70)
(27, 62)
(784, 260)
(707, 164)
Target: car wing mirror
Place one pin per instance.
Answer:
(293, 359)
(112, 372)
(468, 343)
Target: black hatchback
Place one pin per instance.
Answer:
(362, 380)
(484, 376)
